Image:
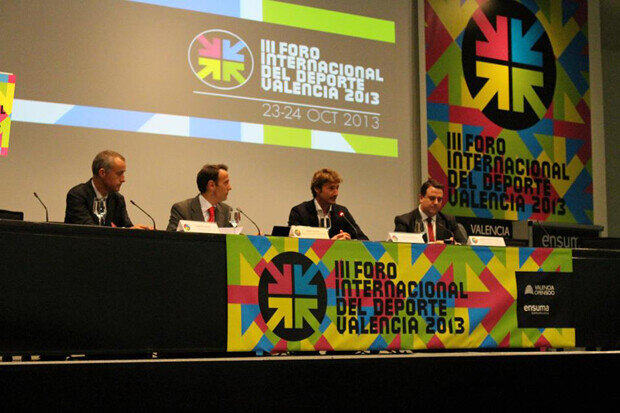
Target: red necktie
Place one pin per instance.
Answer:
(211, 214)
(431, 234)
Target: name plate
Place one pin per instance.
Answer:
(299, 231)
(406, 237)
(231, 230)
(198, 226)
(479, 240)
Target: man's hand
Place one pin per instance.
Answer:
(342, 235)
(142, 227)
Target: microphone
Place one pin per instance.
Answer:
(447, 229)
(47, 218)
(245, 215)
(145, 213)
(342, 215)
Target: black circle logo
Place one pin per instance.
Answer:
(292, 296)
(509, 64)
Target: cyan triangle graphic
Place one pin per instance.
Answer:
(375, 249)
(489, 343)
(416, 251)
(531, 5)
(575, 62)
(543, 127)
(323, 269)
(248, 315)
(476, 315)
(484, 253)
(459, 39)
(525, 214)
(325, 324)
(524, 254)
(578, 200)
(264, 345)
(568, 10)
(262, 244)
(378, 344)
(572, 147)
(430, 86)
(305, 244)
(331, 297)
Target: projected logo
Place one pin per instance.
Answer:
(509, 64)
(292, 296)
(220, 59)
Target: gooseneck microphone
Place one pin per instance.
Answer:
(341, 214)
(145, 213)
(246, 215)
(47, 217)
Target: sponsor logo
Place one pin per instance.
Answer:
(220, 59)
(292, 296)
(534, 309)
(539, 290)
(509, 64)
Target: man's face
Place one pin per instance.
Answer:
(222, 187)
(114, 177)
(328, 193)
(430, 203)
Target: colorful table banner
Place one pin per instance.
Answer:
(288, 294)
(7, 92)
(508, 108)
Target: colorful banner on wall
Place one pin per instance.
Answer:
(7, 92)
(508, 108)
(287, 294)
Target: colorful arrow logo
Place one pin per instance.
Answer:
(221, 59)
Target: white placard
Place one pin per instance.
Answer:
(198, 226)
(298, 231)
(479, 240)
(406, 237)
(231, 230)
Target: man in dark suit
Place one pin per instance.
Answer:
(322, 210)
(428, 217)
(214, 184)
(108, 175)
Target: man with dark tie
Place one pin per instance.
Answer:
(213, 184)
(322, 210)
(428, 218)
(108, 175)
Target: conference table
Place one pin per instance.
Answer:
(67, 289)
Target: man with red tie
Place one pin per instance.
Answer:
(428, 218)
(214, 184)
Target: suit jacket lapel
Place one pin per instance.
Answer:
(314, 218)
(195, 210)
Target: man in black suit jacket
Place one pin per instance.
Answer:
(324, 186)
(213, 184)
(108, 175)
(442, 226)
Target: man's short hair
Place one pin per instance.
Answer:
(104, 159)
(430, 182)
(321, 177)
(208, 173)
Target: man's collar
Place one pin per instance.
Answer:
(424, 216)
(204, 204)
(97, 193)
(319, 209)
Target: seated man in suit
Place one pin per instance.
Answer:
(428, 218)
(322, 210)
(108, 175)
(208, 206)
